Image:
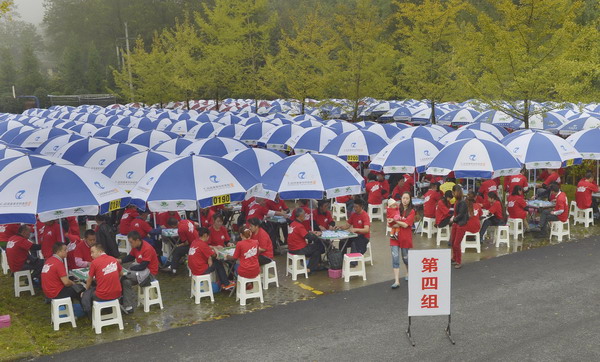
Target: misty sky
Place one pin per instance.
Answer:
(31, 11)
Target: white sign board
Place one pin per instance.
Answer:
(429, 282)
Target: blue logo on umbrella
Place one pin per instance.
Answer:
(426, 152)
(301, 175)
(55, 148)
(516, 150)
(149, 180)
(563, 148)
(98, 185)
(213, 179)
(271, 164)
(472, 157)
(129, 175)
(353, 144)
(101, 162)
(19, 194)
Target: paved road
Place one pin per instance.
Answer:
(540, 305)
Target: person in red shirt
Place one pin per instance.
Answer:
(431, 199)
(486, 187)
(163, 217)
(218, 234)
(246, 252)
(106, 271)
(128, 216)
(297, 241)
(55, 282)
(374, 191)
(83, 250)
(307, 206)
(544, 187)
(74, 226)
(516, 206)
(403, 238)
(473, 224)
(141, 271)
(206, 217)
(50, 236)
(187, 233)
(6, 232)
(202, 259)
(140, 225)
(277, 229)
(517, 180)
(405, 184)
(322, 216)
(443, 217)
(358, 223)
(19, 253)
(265, 246)
(496, 217)
(385, 185)
(585, 188)
(560, 212)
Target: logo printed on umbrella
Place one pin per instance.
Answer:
(19, 194)
(516, 149)
(472, 157)
(271, 164)
(149, 180)
(214, 179)
(302, 175)
(55, 148)
(353, 145)
(101, 162)
(98, 185)
(37, 138)
(562, 147)
(129, 175)
(426, 152)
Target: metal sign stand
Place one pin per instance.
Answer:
(447, 330)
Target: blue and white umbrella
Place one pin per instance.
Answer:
(463, 134)
(252, 120)
(587, 142)
(58, 191)
(230, 131)
(548, 120)
(10, 153)
(426, 133)
(227, 119)
(405, 156)
(399, 113)
(542, 150)
(126, 135)
(307, 117)
(458, 117)
(216, 146)
(494, 130)
(203, 130)
(174, 146)
(474, 158)
(153, 138)
(182, 127)
(9, 135)
(311, 140)
(52, 145)
(579, 124)
(99, 158)
(356, 145)
(341, 127)
(34, 138)
(310, 176)
(277, 137)
(310, 123)
(254, 132)
(443, 129)
(10, 167)
(108, 131)
(385, 130)
(74, 151)
(84, 129)
(256, 160)
(127, 170)
(499, 118)
(8, 125)
(183, 183)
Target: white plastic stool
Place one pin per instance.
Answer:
(368, 255)
(296, 265)
(375, 212)
(502, 236)
(202, 287)
(359, 270)
(267, 277)
(443, 234)
(572, 208)
(62, 316)
(150, 295)
(100, 320)
(123, 244)
(427, 227)
(26, 288)
(90, 224)
(584, 216)
(4, 261)
(339, 211)
(384, 204)
(473, 244)
(515, 228)
(243, 295)
(560, 229)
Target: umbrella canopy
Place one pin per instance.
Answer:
(108, 131)
(126, 135)
(182, 127)
(356, 145)
(587, 143)
(341, 127)
(458, 117)
(175, 146)
(254, 132)
(9, 135)
(52, 145)
(405, 156)
(494, 130)
(311, 140)
(127, 170)
(74, 151)
(499, 118)
(153, 138)
(216, 146)
(84, 129)
(9, 153)
(474, 158)
(230, 131)
(256, 160)
(99, 158)
(549, 120)
(277, 137)
(183, 183)
(542, 150)
(203, 130)
(34, 138)
(8, 125)
(426, 133)
(10, 167)
(309, 176)
(466, 134)
(387, 131)
(579, 124)
(58, 191)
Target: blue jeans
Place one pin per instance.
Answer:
(396, 251)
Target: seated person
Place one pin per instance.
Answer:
(83, 252)
(163, 217)
(265, 246)
(206, 217)
(187, 232)
(560, 212)
(106, 272)
(131, 212)
(142, 271)
(276, 229)
(218, 234)
(55, 282)
(297, 241)
(6, 232)
(585, 188)
(322, 216)
(517, 180)
(49, 235)
(358, 223)
(486, 187)
(202, 260)
(307, 206)
(141, 226)
(374, 191)
(497, 215)
(543, 190)
(448, 186)
(517, 206)
(405, 184)
(246, 253)
(22, 253)
(430, 201)
(443, 216)
(105, 236)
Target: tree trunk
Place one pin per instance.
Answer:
(355, 112)
(432, 118)
(302, 109)
(526, 113)
(217, 99)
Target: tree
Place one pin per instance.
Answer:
(426, 32)
(5, 6)
(30, 77)
(71, 70)
(525, 51)
(94, 73)
(8, 71)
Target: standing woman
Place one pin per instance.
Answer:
(460, 218)
(403, 241)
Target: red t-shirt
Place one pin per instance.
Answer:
(17, 251)
(343, 199)
(296, 236)
(126, 219)
(187, 231)
(385, 188)
(307, 222)
(146, 253)
(405, 234)
(53, 270)
(50, 236)
(206, 219)
(516, 180)
(257, 211)
(374, 193)
(163, 217)
(406, 187)
(198, 256)
(359, 221)
(83, 252)
(141, 226)
(107, 272)
(71, 246)
(8, 230)
(276, 206)
(429, 203)
(218, 237)
(496, 210)
(264, 242)
(561, 204)
(246, 251)
(473, 225)
(323, 220)
(441, 211)
(74, 226)
(583, 197)
(516, 207)
(553, 177)
(486, 187)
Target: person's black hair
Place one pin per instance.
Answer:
(134, 235)
(99, 247)
(554, 187)
(360, 202)
(371, 177)
(451, 179)
(448, 194)
(589, 175)
(89, 232)
(57, 247)
(217, 216)
(493, 195)
(22, 228)
(436, 184)
(64, 223)
(322, 202)
(254, 221)
(203, 231)
(298, 211)
(516, 190)
(409, 207)
(171, 221)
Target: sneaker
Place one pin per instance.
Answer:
(395, 286)
(229, 286)
(126, 310)
(394, 237)
(166, 269)
(174, 271)
(458, 266)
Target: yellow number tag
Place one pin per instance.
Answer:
(221, 200)
(352, 158)
(114, 205)
(570, 162)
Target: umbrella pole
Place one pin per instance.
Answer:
(198, 211)
(62, 239)
(154, 216)
(534, 181)
(597, 169)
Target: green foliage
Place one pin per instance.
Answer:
(29, 75)
(8, 71)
